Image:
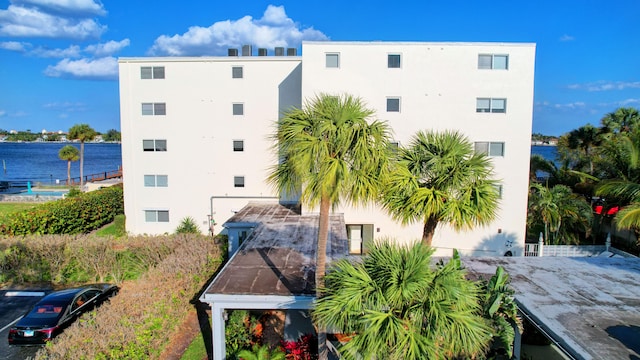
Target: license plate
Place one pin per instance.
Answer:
(28, 333)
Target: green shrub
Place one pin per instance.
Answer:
(74, 215)
(74, 192)
(187, 226)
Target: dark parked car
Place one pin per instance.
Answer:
(56, 311)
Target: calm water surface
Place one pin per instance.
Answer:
(39, 162)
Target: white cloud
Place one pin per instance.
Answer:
(567, 106)
(566, 37)
(15, 46)
(272, 30)
(18, 21)
(107, 49)
(66, 106)
(70, 52)
(87, 69)
(606, 85)
(70, 7)
(2, 113)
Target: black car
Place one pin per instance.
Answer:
(56, 311)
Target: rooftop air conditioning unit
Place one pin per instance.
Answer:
(279, 51)
(233, 52)
(262, 52)
(246, 50)
(292, 52)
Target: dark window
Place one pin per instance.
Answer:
(393, 61)
(238, 145)
(236, 72)
(393, 104)
(238, 109)
(238, 181)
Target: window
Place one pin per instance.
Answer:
(238, 181)
(360, 238)
(156, 180)
(490, 61)
(333, 60)
(154, 109)
(238, 145)
(393, 61)
(393, 104)
(491, 105)
(154, 145)
(238, 109)
(490, 148)
(149, 72)
(236, 72)
(156, 215)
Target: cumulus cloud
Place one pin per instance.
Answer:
(107, 49)
(89, 69)
(274, 29)
(20, 21)
(606, 85)
(14, 46)
(67, 7)
(566, 37)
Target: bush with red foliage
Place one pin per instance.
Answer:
(306, 348)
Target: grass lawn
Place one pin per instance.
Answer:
(10, 207)
(195, 351)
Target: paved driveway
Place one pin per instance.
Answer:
(13, 304)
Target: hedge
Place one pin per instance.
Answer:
(74, 215)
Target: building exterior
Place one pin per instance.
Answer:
(195, 131)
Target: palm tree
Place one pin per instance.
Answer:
(585, 138)
(69, 153)
(261, 353)
(439, 178)
(621, 120)
(396, 305)
(330, 152)
(562, 214)
(82, 132)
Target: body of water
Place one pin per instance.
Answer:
(547, 152)
(39, 162)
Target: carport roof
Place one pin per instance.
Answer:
(279, 256)
(589, 305)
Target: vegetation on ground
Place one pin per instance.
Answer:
(115, 229)
(72, 215)
(82, 133)
(196, 350)
(7, 208)
(187, 226)
(396, 305)
(147, 312)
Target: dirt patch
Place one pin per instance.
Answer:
(182, 338)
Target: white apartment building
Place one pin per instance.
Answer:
(196, 131)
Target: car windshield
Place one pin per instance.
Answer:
(46, 311)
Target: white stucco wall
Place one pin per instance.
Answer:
(438, 84)
(199, 128)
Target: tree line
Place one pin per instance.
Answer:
(111, 135)
(597, 167)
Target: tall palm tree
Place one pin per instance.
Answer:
(585, 138)
(397, 305)
(439, 178)
(330, 151)
(621, 120)
(69, 153)
(562, 214)
(83, 133)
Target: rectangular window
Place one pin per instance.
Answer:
(360, 238)
(333, 60)
(393, 104)
(156, 215)
(491, 105)
(238, 145)
(154, 109)
(238, 109)
(393, 61)
(236, 72)
(498, 189)
(149, 72)
(490, 148)
(156, 180)
(238, 181)
(154, 145)
(491, 61)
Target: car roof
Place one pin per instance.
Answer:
(62, 295)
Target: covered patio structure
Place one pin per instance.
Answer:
(274, 267)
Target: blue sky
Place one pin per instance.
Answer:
(58, 58)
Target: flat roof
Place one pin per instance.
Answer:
(279, 257)
(589, 305)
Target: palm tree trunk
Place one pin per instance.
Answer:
(81, 164)
(69, 172)
(429, 229)
(321, 260)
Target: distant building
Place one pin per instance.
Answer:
(196, 130)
